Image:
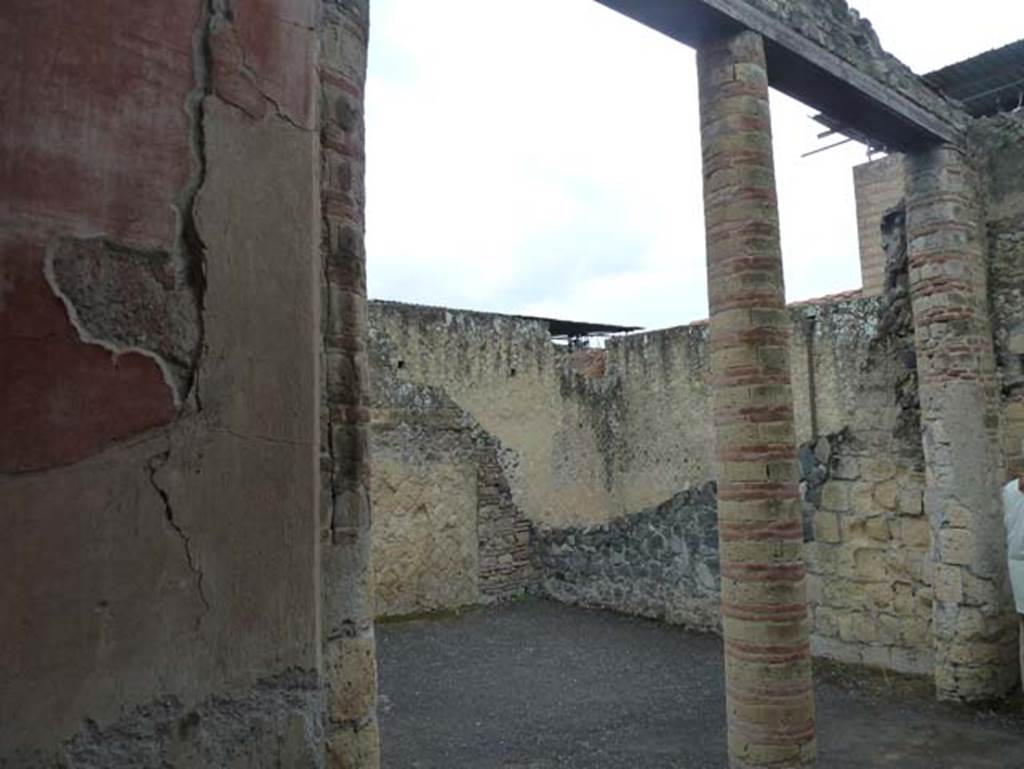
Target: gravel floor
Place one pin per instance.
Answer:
(538, 685)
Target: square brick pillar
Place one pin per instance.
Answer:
(769, 694)
(973, 623)
(349, 650)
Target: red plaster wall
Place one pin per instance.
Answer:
(93, 141)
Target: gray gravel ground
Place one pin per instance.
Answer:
(538, 685)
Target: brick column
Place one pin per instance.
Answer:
(770, 699)
(349, 648)
(960, 418)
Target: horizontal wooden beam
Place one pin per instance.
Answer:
(803, 69)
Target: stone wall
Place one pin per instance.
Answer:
(505, 373)
(1000, 143)
(660, 563)
(606, 451)
(158, 342)
(633, 420)
(447, 532)
(425, 552)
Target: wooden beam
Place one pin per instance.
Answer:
(801, 68)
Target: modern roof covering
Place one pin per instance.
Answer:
(575, 328)
(986, 84)
(556, 327)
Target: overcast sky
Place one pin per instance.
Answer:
(543, 157)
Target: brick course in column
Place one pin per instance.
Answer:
(960, 415)
(769, 693)
(349, 646)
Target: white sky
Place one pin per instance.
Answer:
(543, 157)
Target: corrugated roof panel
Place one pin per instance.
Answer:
(986, 84)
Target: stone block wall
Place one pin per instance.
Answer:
(506, 374)
(347, 622)
(999, 141)
(1006, 271)
(425, 551)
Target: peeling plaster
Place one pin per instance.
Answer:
(127, 300)
(236, 81)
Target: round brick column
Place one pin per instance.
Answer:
(973, 620)
(769, 694)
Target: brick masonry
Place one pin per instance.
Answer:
(352, 740)
(769, 695)
(975, 637)
(878, 188)
(504, 533)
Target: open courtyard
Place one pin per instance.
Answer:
(539, 685)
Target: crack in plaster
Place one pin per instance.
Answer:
(154, 466)
(222, 17)
(110, 289)
(265, 439)
(189, 244)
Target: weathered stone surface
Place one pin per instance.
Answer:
(350, 664)
(839, 28)
(346, 514)
(960, 412)
(448, 532)
(354, 746)
(277, 722)
(661, 563)
(435, 371)
(425, 534)
(879, 187)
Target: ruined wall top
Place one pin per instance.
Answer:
(840, 29)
